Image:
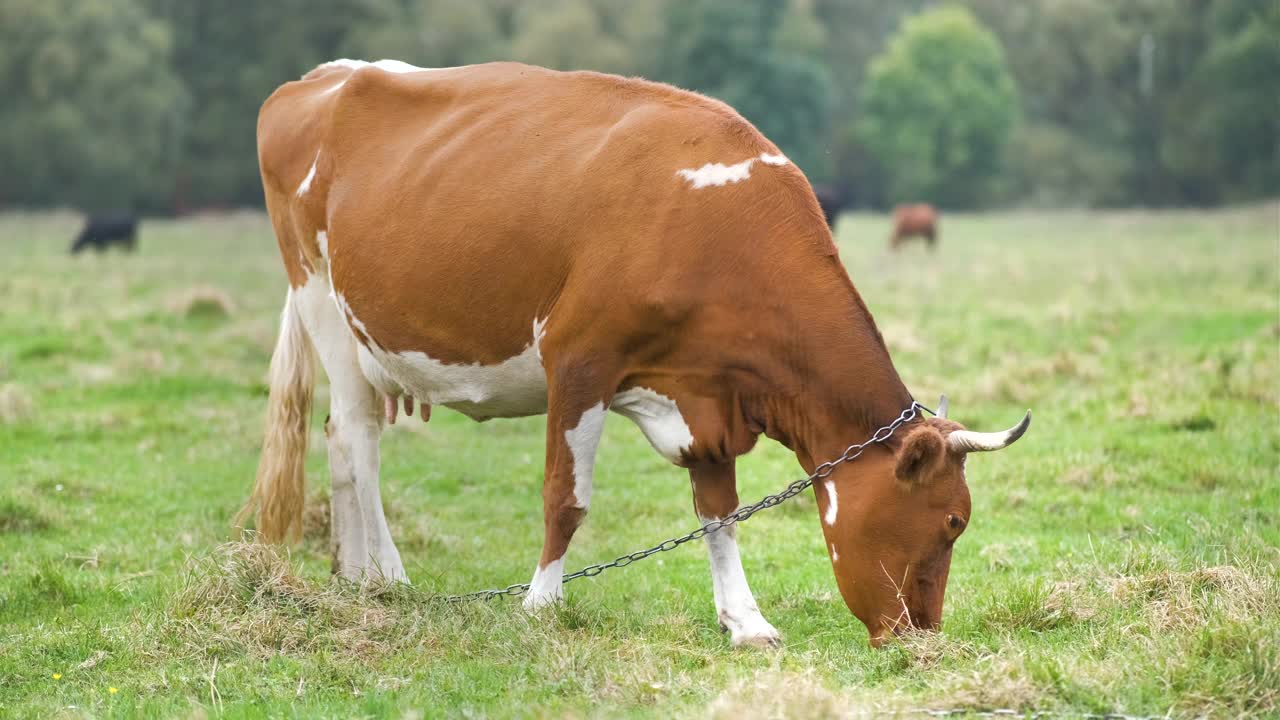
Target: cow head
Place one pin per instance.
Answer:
(891, 518)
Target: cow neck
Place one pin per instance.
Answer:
(833, 384)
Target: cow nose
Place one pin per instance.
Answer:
(921, 621)
(915, 620)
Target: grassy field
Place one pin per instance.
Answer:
(1122, 557)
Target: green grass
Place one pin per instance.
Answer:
(1123, 556)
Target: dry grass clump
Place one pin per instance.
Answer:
(1072, 599)
(1089, 476)
(1185, 600)
(776, 695)
(997, 682)
(1018, 379)
(929, 649)
(247, 598)
(1168, 600)
(203, 301)
(15, 403)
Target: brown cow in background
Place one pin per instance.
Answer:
(919, 220)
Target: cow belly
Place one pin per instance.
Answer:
(513, 388)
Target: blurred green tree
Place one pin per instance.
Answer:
(938, 109)
(92, 110)
(231, 58)
(1152, 102)
(856, 31)
(429, 33)
(153, 102)
(763, 57)
(569, 35)
(1225, 143)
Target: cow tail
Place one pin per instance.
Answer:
(279, 489)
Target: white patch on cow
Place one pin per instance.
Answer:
(582, 441)
(659, 419)
(345, 309)
(363, 541)
(515, 387)
(547, 585)
(834, 555)
(539, 332)
(833, 503)
(391, 66)
(718, 174)
(377, 377)
(735, 605)
(344, 62)
(311, 175)
(397, 66)
(322, 242)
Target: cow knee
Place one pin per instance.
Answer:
(567, 518)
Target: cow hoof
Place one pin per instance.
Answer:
(753, 631)
(388, 569)
(762, 641)
(536, 602)
(372, 574)
(397, 575)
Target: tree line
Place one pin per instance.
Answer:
(152, 104)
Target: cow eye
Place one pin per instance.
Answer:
(955, 522)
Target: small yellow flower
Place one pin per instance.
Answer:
(113, 691)
(57, 676)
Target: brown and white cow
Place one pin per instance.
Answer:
(506, 240)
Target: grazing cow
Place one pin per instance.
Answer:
(101, 231)
(832, 200)
(917, 220)
(507, 240)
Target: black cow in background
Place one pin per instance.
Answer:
(106, 229)
(833, 201)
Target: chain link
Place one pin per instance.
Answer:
(739, 515)
(1028, 714)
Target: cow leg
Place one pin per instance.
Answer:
(715, 495)
(575, 421)
(360, 540)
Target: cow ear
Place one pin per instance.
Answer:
(919, 452)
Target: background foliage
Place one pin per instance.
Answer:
(938, 108)
(152, 103)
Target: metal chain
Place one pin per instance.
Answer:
(1028, 714)
(740, 515)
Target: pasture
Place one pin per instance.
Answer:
(1121, 557)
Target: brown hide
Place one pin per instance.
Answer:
(460, 205)
(910, 221)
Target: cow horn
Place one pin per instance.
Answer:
(965, 441)
(942, 406)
